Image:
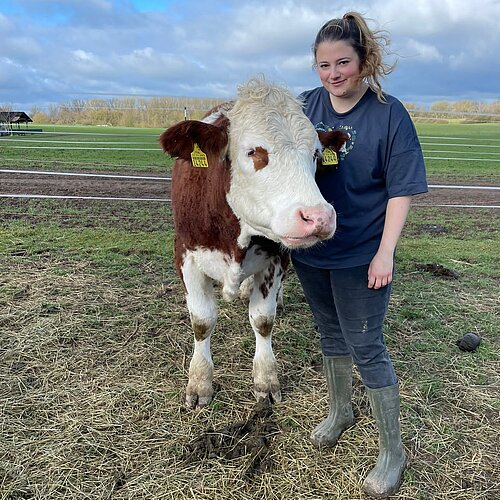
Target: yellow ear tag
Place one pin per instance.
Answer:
(330, 157)
(198, 157)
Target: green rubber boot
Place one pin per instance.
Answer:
(385, 478)
(338, 374)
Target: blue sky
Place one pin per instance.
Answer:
(54, 51)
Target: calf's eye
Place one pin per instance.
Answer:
(251, 152)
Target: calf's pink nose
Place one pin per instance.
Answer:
(319, 220)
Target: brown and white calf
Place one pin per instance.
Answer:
(243, 193)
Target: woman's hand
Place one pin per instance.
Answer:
(380, 270)
(381, 266)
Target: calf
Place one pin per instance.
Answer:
(243, 194)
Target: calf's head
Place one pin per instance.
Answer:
(273, 151)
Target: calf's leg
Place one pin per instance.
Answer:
(262, 311)
(202, 305)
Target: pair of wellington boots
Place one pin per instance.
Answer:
(385, 478)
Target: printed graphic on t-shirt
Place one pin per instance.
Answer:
(349, 144)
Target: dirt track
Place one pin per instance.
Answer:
(55, 185)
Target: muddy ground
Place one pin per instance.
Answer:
(59, 185)
(56, 185)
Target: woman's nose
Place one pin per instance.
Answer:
(334, 74)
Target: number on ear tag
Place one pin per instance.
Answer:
(198, 157)
(330, 157)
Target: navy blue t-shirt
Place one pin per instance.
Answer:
(382, 159)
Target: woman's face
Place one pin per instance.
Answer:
(339, 68)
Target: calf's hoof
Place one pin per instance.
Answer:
(272, 393)
(198, 399)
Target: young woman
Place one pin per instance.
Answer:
(347, 281)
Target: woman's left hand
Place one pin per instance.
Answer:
(381, 266)
(380, 271)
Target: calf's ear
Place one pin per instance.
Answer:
(179, 140)
(333, 140)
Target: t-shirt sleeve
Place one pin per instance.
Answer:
(405, 167)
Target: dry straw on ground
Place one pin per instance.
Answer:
(92, 374)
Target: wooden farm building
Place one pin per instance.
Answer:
(11, 121)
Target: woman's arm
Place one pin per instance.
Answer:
(381, 266)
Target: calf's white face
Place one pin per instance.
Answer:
(272, 147)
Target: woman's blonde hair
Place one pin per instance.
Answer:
(369, 45)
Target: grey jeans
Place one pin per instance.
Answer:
(350, 318)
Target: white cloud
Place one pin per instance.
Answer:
(295, 63)
(81, 55)
(87, 64)
(267, 28)
(21, 48)
(207, 48)
(150, 62)
(5, 24)
(422, 52)
(428, 17)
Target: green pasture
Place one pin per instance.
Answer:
(472, 149)
(468, 151)
(67, 148)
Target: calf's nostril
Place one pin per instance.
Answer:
(304, 217)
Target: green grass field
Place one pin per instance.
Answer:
(67, 148)
(95, 344)
(474, 149)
